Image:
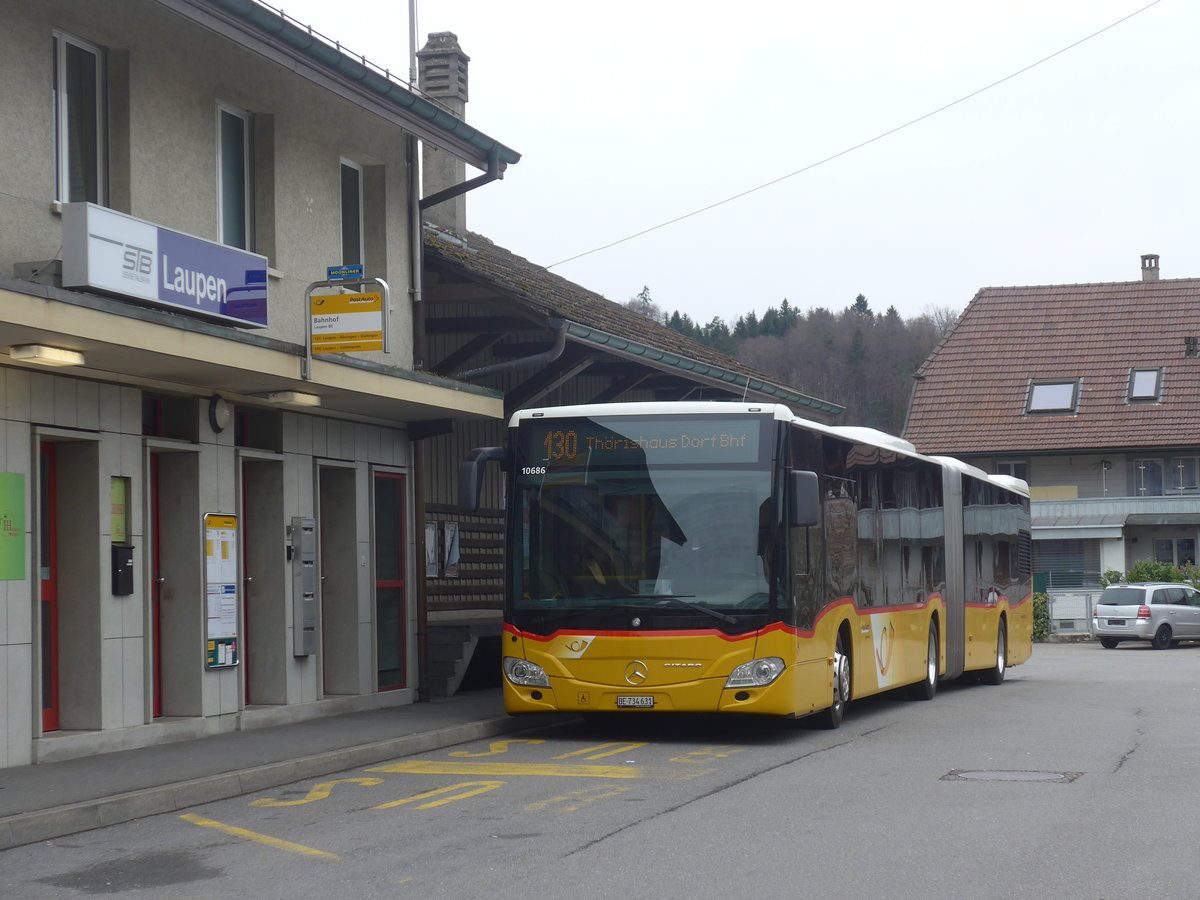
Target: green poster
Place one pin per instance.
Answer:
(12, 527)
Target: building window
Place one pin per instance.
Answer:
(79, 117)
(1145, 384)
(1148, 477)
(1175, 551)
(352, 214)
(1017, 468)
(1053, 396)
(234, 187)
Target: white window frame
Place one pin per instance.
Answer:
(1045, 395)
(1009, 467)
(225, 217)
(1139, 391)
(62, 119)
(350, 164)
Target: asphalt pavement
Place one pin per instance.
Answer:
(47, 801)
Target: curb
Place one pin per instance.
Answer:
(71, 818)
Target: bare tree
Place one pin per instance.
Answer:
(644, 306)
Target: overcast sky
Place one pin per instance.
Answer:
(630, 114)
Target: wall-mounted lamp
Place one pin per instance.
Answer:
(293, 398)
(46, 356)
(219, 413)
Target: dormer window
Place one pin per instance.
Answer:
(1145, 385)
(1057, 396)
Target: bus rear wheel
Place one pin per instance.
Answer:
(924, 690)
(995, 674)
(832, 717)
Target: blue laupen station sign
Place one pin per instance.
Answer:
(112, 252)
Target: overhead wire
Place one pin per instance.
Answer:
(859, 146)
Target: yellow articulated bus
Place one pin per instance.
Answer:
(732, 557)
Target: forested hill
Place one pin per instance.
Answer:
(855, 358)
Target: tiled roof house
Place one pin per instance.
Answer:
(1090, 393)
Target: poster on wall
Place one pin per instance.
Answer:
(221, 594)
(431, 550)
(450, 564)
(12, 526)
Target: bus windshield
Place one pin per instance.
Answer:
(670, 515)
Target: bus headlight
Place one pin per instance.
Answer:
(525, 673)
(756, 673)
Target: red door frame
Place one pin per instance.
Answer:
(48, 597)
(398, 584)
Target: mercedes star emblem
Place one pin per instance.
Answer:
(636, 672)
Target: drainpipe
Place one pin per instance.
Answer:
(416, 262)
(558, 326)
(423, 690)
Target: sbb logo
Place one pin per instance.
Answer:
(136, 266)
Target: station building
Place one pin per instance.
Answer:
(204, 525)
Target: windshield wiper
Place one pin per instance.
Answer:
(679, 600)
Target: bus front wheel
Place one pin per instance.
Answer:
(832, 717)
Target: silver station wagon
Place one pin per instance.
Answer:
(1161, 613)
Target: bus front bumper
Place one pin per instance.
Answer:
(799, 690)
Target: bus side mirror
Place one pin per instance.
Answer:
(804, 499)
(470, 474)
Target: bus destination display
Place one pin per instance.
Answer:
(567, 443)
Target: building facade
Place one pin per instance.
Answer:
(205, 525)
(1088, 392)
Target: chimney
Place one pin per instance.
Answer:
(442, 76)
(1149, 267)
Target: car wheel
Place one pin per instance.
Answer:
(925, 689)
(832, 717)
(1109, 643)
(995, 674)
(1162, 637)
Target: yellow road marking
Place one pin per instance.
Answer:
(514, 770)
(318, 792)
(277, 843)
(481, 787)
(611, 749)
(496, 748)
(707, 754)
(574, 800)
